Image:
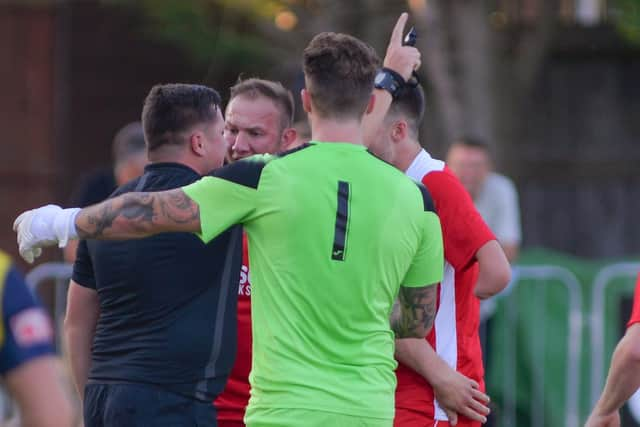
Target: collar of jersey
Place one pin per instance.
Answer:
(339, 145)
(164, 165)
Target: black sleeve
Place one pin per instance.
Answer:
(244, 172)
(427, 201)
(83, 267)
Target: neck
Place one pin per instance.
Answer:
(332, 130)
(178, 156)
(406, 154)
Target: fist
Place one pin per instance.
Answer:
(35, 230)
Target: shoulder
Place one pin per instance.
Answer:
(498, 182)
(16, 295)
(427, 201)
(7, 277)
(15, 288)
(446, 188)
(406, 181)
(245, 172)
(125, 188)
(443, 186)
(441, 177)
(498, 190)
(390, 170)
(423, 165)
(26, 331)
(294, 150)
(248, 171)
(10, 278)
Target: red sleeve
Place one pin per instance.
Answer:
(635, 313)
(463, 229)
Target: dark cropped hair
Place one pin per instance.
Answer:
(339, 72)
(410, 103)
(274, 91)
(473, 142)
(171, 109)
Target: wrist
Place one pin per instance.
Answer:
(396, 75)
(402, 69)
(440, 374)
(437, 380)
(64, 226)
(389, 80)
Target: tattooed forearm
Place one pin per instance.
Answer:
(92, 222)
(179, 208)
(139, 215)
(413, 312)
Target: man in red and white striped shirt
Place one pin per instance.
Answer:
(441, 380)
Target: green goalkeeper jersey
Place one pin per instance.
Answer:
(333, 233)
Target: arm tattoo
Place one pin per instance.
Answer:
(414, 311)
(179, 208)
(139, 215)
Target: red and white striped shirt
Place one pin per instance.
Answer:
(455, 332)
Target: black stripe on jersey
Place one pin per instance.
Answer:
(429, 204)
(342, 221)
(245, 172)
(293, 150)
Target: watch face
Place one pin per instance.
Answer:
(379, 78)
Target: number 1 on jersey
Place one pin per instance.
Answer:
(342, 222)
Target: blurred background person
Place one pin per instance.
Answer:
(494, 195)
(129, 153)
(27, 362)
(129, 159)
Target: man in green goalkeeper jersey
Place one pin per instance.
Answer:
(335, 235)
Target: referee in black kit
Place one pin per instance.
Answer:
(151, 323)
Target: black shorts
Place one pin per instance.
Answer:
(141, 405)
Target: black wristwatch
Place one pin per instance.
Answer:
(389, 80)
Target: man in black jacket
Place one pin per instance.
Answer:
(151, 324)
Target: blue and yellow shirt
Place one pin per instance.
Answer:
(25, 328)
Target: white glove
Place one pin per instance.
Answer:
(43, 227)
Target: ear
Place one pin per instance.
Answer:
(399, 131)
(371, 104)
(306, 100)
(288, 137)
(196, 143)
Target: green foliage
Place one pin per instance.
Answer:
(224, 31)
(626, 15)
(257, 8)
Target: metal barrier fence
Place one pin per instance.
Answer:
(602, 281)
(570, 282)
(59, 273)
